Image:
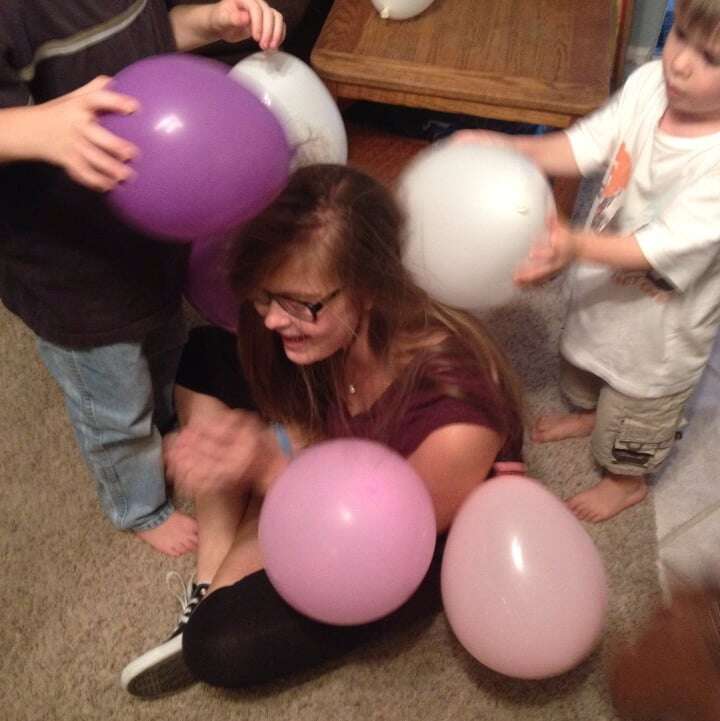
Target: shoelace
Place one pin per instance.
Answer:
(188, 595)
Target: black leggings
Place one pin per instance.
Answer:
(209, 364)
(245, 634)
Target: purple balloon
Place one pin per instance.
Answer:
(206, 286)
(347, 531)
(211, 157)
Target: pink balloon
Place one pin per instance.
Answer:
(523, 585)
(347, 532)
(206, 286)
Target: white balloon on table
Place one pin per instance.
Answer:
(301, 102)
(400, 9)
(473, 213)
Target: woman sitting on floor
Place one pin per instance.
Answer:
(334, 339)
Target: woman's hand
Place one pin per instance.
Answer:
(236, 20)
(223, 453)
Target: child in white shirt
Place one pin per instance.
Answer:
(645, 289)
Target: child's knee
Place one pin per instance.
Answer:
(579, 387)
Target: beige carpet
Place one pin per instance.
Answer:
(80, 599)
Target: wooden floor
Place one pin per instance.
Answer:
(383, 155)
(380, 153)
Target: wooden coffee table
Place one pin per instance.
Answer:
(545, 62)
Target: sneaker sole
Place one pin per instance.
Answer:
(160, 671)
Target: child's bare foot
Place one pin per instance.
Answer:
(175, 537)
(561, 426)
(614, 493)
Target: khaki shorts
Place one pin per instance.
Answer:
(632, 436)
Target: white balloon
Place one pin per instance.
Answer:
(400, 9)
(473, 212)
(301, 102)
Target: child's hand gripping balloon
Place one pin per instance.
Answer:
(549, 254)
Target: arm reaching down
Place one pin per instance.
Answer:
(229, 20)
(452, 461)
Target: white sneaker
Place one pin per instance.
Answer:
(162, 669)
(158, 671)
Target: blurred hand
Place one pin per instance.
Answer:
(672, 669)
(219, 453)
(236, 20)
(550, 254)
(72, 138)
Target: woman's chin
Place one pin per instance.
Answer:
(298, 353)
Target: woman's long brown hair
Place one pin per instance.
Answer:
(354, 230)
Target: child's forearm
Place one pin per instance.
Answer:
(192, 26)
(18, 139)
(616, 251)
(65, 132)
(552, 152)
(565, 245)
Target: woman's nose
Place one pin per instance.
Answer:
(276, 318)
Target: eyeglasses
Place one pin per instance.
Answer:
(300, 309)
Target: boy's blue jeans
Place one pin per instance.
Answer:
(119, 399)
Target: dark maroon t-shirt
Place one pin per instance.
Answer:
(210, 365)
(429, 409)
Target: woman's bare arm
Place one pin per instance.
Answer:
(452, 461)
